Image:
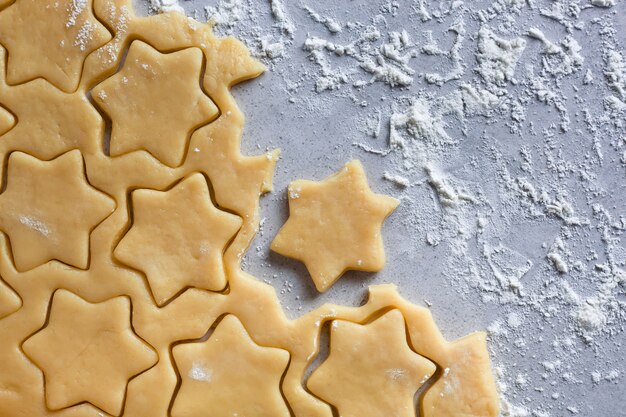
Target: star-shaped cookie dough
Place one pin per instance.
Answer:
(155, 102)
(335, 225)
(178, 238)
(230, 375)
(371, 370)
(88, 352)
(49, 209)
(50, 39)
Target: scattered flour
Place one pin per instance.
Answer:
(166, 6)
(603, 3)
(75, 9)
(225, 14)
(84, 35)
(331, 24)
(282, 21)
(497, 57)
(199, 373)
(615, 72)
(35, 225)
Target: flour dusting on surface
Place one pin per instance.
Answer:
(166, 6)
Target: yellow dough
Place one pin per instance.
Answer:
(335, 225)
(155, 102)
(7, 121)
(50, 39)
(66, 121)
(84, 340)
(133, 217)
(10, 302)
(49, 210)
(178, 238)
(371, 371)
(230, 375)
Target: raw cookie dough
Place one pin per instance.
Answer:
(48, 210)
(50, 39)
(230, 375)
(7, 121)
(167, 85)
(50, 122)
(63, 122)
(84, 340)
(335, 225)
(10, 302)
(373, 362)
(178, 238)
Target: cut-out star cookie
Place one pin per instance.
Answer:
(230, 375)
(178, 238)
(371, 370)
(335, 225)
(88, 352)
(50, 39)
(49, 209)
(155, 102)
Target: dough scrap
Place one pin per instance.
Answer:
(83, 340)
(236, 182)
(50, 39)
(167, 85)
(335, 225)
(49, 210)
(362, 377)
(178, 238)
(230, 375)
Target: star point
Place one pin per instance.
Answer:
(335, 225)
(88, 352)
(35, 206)
(7, 120)
(10, 302)
(178, 238)
(230, 375)
(50, 39)
(155, 102)
(371, 370)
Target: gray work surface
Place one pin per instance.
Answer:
(559, 340)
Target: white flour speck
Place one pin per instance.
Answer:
(35, 224)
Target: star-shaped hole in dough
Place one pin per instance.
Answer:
(178, 238)
(49, 209)
(50, 39)
(230, 375)
(371, 370)
(335, 225)
(155, 102)
(88, 352)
